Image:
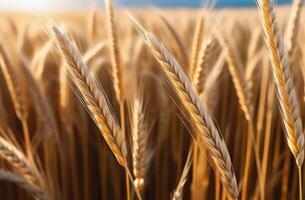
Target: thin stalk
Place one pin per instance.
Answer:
(300, 183)
(123, 127)
(131, 179)
(27, 139)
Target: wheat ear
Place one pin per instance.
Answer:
(14, 84)
(140, 143)
(32, 189)
(90, 91)
(12, 81)
(293, 26)
(284, 85)
(18, 160)
(196, 43)
(42, 106)
(200, 71)
(242, 88)
(92, 26)
(178, 194)
(206, 131)
(115, 53)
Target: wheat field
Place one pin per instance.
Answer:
(153, 103)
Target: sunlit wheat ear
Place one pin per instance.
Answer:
(210, 95)
(201, 68)
(178, 194)
(115, 53)
(42, 107)
(196, 43)
(293, 26)
(38, 60)
(284, 85)
(35, 191)
(206, 131)
(237, 72)
(93, 25)
(12, 79)
(92, 94)
(15, 82)
(18, 160)
(140, 133)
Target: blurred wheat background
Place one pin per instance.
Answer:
(148, 103)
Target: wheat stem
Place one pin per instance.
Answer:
(300, 183)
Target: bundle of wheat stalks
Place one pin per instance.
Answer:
(182, 104)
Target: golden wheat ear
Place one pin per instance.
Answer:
(206, 130)
(283, 80)
(293, 27)
(140, 134)
(92, 94)
(32, 189)
(115, 52)
(93, 97)
(284, 85)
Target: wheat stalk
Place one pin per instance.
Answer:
(178, 194)
(206, 130)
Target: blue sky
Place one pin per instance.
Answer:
(47, 5)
